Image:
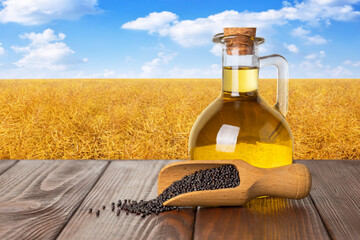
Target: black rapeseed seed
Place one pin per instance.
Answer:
(210, 179)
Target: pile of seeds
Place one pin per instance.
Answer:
(210, 179)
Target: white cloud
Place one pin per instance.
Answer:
(329, 2)
(291, 48)
(305, 34)
(216, 50)
(300, 32)
(2, 50)
(351, 63)
(29, 12)
(315, 12)
(265, 48)
(199, 31)
(129, 59)
(212, 71)
(46, 52)
(154, 22)
(109, 73)
(312, 56)
(18, 49)
(154, 68)
(105, 73)
(314, 67)
(159, 67)
(39, 39)
(317, 39)
(50, 57)
(356, 64)
(313, 60)
(339, 72)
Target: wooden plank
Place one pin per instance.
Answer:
(336, 195)
(6, 164)
(122, 180)
(264, 218)
(38, 197)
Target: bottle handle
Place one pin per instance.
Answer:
(282, 98)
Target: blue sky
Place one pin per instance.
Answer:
(172, 39)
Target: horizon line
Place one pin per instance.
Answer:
(165, 78)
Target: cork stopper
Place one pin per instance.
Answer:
(243, 44)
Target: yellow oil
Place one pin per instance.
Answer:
(240, 124)
(246, 79)
(264, 155)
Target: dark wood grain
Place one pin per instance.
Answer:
(336, 195)
(264, 218)
(49, 199)
(127, 179)
(6, 164)
(38, 197)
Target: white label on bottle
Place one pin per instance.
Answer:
(226, 138)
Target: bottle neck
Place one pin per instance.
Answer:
(240, 74)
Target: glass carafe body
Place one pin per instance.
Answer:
(240, 124)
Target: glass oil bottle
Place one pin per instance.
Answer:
(240, 124)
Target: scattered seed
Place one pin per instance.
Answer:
(210, 179)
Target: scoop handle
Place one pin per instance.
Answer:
(290, 181)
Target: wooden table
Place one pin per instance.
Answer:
(49, 199)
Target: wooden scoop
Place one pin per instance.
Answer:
(291, 181)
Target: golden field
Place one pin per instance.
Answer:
(152, 118)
